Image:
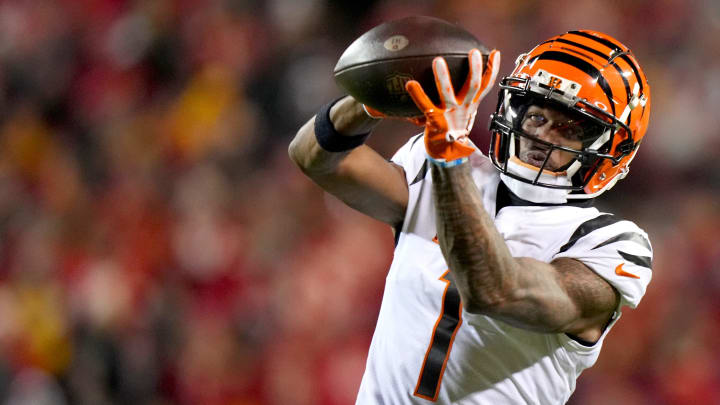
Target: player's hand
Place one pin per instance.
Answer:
(447, 126)
(419, 120)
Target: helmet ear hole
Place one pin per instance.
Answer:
(625, 147)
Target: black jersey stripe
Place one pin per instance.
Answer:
(586, 227)
(424, 168)
(642, 261)
(421, 173)
(438, 352)
(627, 236)
(582, 65)
(417, 138)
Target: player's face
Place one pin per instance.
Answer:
(551, 125)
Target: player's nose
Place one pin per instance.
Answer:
(545, 133)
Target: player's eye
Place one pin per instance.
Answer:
(569, 130)
(535, 119)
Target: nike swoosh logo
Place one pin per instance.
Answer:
(620, 272)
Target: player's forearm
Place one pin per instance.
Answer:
(521, 291)
(348, 119)
(483, 268)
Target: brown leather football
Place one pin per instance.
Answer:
(376, 66)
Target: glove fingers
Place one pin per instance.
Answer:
(489, 75)
(421, 100)
(473, 83)
(443, 82)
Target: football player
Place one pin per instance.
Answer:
(505, 279)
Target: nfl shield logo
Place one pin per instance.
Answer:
(396, 83)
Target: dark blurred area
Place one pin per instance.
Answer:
(157, 246)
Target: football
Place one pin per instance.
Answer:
(376, 66)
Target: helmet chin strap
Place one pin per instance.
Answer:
(534, 193)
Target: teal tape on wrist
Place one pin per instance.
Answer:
(444, 163)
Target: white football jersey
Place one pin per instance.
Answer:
(427, 348)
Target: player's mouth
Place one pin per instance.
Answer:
(536, 157)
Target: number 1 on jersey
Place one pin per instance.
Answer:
(438, 352)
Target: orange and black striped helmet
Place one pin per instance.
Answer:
(589, 75)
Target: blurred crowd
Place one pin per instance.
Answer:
(157, 246)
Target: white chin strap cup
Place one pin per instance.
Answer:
(529, 192)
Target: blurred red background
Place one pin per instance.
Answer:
(158, 247)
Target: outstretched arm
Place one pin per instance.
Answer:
(359, 177)
(562, 296)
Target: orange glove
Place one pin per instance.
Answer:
(447, 126)
(373, 113)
